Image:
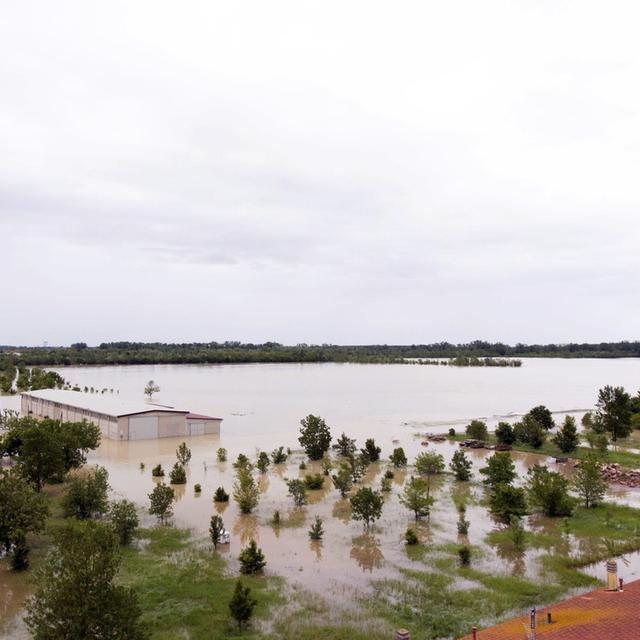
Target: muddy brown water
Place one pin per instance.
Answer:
(260, 415)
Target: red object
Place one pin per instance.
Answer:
(474, 632)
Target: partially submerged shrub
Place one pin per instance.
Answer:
(251, 559)
(157, 471)
(221, 454)
(183, 453)
(220, 495)
(317, 531)
(298, 491)
(314, 481)
(197, 487)
(477, 429)
(178, 475)
(263, 462)
(278, 456)
(398, 458)
(410, 536)
(464, 555)
(124, 519)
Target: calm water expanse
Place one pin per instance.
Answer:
(262, 405)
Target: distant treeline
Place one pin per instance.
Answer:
(237, 352)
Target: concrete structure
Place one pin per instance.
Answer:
(116, 418)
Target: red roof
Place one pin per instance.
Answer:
(197, 416)
(599, 615)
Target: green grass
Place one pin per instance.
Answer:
(183, 590)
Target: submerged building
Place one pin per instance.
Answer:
(117, 419)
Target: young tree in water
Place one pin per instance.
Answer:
(613, 412)
(461, 466)
(416, 498)
(366, 505)
(251, 559)
(342, 480)
(567, 439)
(298, 491)
(76, 594)
(124, 519)
(588, 482)
(549, 490)
(499, 470)
(245, 490)
(183, 453)
(86, 495)
(315, 437)
(242, 605)
(161, 499)
(216, 529)
(150, 389)
(429, 463)
(398, 458)
(345, 446)
(370, 451)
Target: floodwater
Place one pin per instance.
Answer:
(262, 405)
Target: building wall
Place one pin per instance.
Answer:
(197, 426)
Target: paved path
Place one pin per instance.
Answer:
(598, 615)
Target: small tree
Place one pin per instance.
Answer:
(298, 491)
(178, 475)
(385, 485)
(216, 529)
(614, 411)
(157, 471)
(278, 456)
(504, 433)
(161, 499)
(245, 490)
(183, 453)
(343, 481)
(263, 462)
(549, 490)
(221, 454)
(241, 605)
(542, 416)
(429, 463)
(477, 429)
(462, 524)
(366, 505)
(461, 466)
(567, 439)
(314, 482)
(588, 482)
(242, 462)
(416, 498)
(530, 431)
(499, 470)
(398, 458)
(124, 520)
(150, 389)
(410, 536)
(317, 531)
(315, 437)
(370, 451)
(507, 501)
(345, 446)
(251, 559)
(220, 495)
(86, 495)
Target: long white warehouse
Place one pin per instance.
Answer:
(117, 419)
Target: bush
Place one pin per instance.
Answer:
(477, 429)
(398, 458)
(242, 605)
(366, 505)
(197, 487)
(221, 454)
(389, 475)
(86, 495)
(242, 462)
(314, 481)
(504, 433)
(178, 475)
(316, 532)
(463, 525)
(370, 451)
(278, 456)
(385, 485)
(157, 471)
(429, 463)
(549, 490)
(183, 453)
(499, 470)
(161, 499)
(220, 495)
(452, 432)
(410, 536)
(251, 559)
(263, 462)
(567, 439)
(216, 529)
(464, 555)
(530, 432)
(302, 466)
(124, 520)
(461, 466)
(343, 480)
(315, 437)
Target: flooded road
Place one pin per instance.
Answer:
(262, 405)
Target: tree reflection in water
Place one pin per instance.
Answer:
(366, 552)
(316, 547)
(246, 527)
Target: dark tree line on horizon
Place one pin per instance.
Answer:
(237, 352)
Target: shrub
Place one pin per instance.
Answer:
(315, 437)
(504, 433)
(549, 490)
(242, 604)
(316, 532)
(366, 505)
(178, 475)
(385, 485)
(499, 470)
(251, 559)
(389, 475)
(242, 462)
(216, 529)
(302, 466)
(183, 453)
(410, 536)
(463, 525)
(161, 499)
(452, 432)
(220, 495)
(343, 480)
(313, 481)
(221, 454)
(86, 495)
(567, 439)
(398, 458)
(298, 491)
(278, 456)
(197, 487)
(370, 451)
(461, 466)
(477, 429)
(157, 471)
(263, 462)
(464, 555)
(124, 520)
(429, 463)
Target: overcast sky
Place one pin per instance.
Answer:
(347, 172)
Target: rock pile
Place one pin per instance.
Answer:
(612, 472)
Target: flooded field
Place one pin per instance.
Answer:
(262, 405)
